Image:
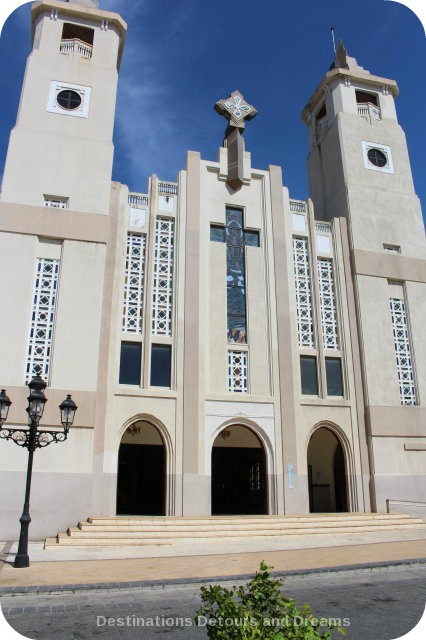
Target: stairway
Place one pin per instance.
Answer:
(156, 530)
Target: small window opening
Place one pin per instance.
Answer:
(322, 112)
(56, 202)
(77, 32)
(377, 157)
(392, 248)
(362, 97)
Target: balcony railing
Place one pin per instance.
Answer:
(323, 227)
(82, 48)
(368, 110)
(298, 206)
(137, 200)
(169, 188)
(56, 203)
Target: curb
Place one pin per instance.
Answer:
(104, 586)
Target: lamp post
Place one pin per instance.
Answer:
(33, 439)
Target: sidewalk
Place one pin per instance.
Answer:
(174, 563)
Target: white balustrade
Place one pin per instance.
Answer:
(137, 199)
(169, 188)
(56, 204)
(298, 206)
(369, 110)
(70, 45)
(323, 227)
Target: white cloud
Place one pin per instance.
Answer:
(146, 130)
(149, 135)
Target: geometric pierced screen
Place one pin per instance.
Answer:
(237, 372)
(302, 282)
(134, 283)
(162, 295)
(328, 304)
(40, 341)
(404, 364)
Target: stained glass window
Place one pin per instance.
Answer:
(217, 233)
(251, 238)
(235, 277)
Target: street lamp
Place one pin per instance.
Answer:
(32, 439)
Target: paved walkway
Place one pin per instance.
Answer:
(190, 567)
(376, 605)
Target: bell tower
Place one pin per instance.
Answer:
(60, 150)
(358, 161)
(359, 170)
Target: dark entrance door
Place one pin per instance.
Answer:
(340, 479)
(238, 481)
(141, 480)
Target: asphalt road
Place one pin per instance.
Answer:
(381, 604)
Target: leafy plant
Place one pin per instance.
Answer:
(257, 610)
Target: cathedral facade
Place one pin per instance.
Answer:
(231, 350)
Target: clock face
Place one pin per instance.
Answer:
(137, 217)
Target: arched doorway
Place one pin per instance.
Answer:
(239, 484)
(141, 476)
(326, 473)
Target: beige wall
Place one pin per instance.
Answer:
(17, 256)
(78, 316)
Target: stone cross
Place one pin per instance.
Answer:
(236, 110)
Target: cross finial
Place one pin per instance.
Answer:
(235, 109)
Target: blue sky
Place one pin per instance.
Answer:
(183, 55)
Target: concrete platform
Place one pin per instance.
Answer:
(196, 561)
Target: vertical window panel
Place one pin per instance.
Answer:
(162, 296)
(237, 372)
(404, 362)
(235, 277)
(330, 335)
(42, 323)
(161, 361)
(333, 370)
(308, 375)
(305, 325)
(130, 363)
(134, 283)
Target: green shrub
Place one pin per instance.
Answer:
(257, 610)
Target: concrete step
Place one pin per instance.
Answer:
(237, 520)
(242, 528)
(138, 530)
(115, 542)
(233, 533)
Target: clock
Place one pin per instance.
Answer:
(137, 217)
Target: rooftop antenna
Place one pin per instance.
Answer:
(334, 42)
